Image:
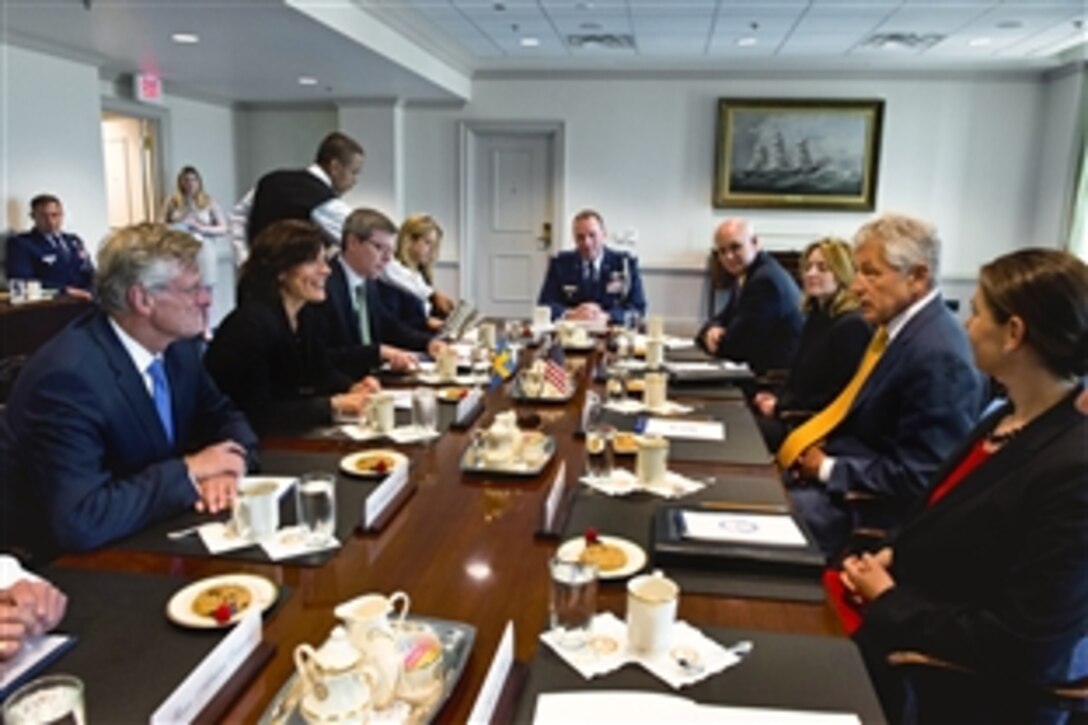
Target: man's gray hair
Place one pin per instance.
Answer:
(906, 242)
(148, 255)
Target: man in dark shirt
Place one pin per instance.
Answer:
(59, 260)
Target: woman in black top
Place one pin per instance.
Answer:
(832, 342)
(267, 354)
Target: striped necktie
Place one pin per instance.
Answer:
(364, 316)
(160, 392)
(819, 426)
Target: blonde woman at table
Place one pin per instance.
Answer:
(990, 573)
(412, 271)
(833, 340)
(268, 356)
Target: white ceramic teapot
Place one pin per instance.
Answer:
(502, 439)
(373, 634)
(337, 685)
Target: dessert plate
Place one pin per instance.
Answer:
(372, 464)
(189, 607)
(571, 550)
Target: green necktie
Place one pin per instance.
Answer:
(364, 318)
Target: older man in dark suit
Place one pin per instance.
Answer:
(914, 397)
(761, 324)
(114, 424)
(355, 324)
(58, 259)
(592, 282)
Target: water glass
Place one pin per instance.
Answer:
(632, 321)
(316, 507)
(424, 410)
(18, 290)
(616, 384)
(599, 449)
(573, 601)
(49, 699)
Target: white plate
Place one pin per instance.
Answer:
(347, 463)
(179, 609)
(571, 549)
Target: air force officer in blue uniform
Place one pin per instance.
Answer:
(592, 282)
(45, 253)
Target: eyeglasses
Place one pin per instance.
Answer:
(193, 291)
(383, 249)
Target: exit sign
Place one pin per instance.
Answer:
(148, 88)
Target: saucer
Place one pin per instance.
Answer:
(571, 549)
(452, 395)
(179, 609)
(367, 464)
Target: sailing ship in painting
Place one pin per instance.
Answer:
(772, 159)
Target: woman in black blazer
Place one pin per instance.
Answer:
(832, 342)
(991, 571)
(267, 355)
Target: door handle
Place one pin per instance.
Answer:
(545, 239)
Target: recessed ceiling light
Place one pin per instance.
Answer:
(979, 42)
(185, 38)
(307, 81)
(530, 42)
(1009, 25)
(747, 41)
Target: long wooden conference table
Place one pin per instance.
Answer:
(463, 547)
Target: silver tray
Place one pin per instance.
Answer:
(469, 464)
(457, 639)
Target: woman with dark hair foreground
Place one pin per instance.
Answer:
(991, 571)
(267, 355)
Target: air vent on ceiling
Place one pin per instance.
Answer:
(903, 41)
(602, 41)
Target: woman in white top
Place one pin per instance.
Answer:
(412, 270)
(190, 209)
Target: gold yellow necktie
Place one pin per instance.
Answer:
(820, 425)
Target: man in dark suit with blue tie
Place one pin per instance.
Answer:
(592, 282)
(356, 326)
(761, 324)
(45, 253)
(114, 424)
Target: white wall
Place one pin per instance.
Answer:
(278, 138)
(960, 152)
(1061, 141)
(51, 140)
(202, 135)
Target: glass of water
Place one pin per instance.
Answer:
(316, 507)
(424, 410)
(49, 699)
(573, 601)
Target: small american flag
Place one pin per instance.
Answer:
(554, 370)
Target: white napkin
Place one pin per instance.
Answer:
(631, 364)
(290, 541)
(471, 379)
(628, 406)
(623, 482)
(406, 434)
(358, 432)
(706, 657)
(219, 536)
(605, 650)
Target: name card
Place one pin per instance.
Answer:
(483, 710)
(555, 495)
(203, 683)
(467, 404)
(377, 502)
(695, 430)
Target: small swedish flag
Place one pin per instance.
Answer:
(503, 363)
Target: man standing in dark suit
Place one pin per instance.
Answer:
(46, 253)
(311, 194)
(358, 330)
(114, 424)
(592, 282)
(761, 324)
(915, 396)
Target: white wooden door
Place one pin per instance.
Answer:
(511, 201)
(128, 145)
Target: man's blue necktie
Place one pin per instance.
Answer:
(160, 391)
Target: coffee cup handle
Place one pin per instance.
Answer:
(304, 658)
(405, 604)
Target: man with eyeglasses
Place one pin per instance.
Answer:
(761, 323)
(356, 325)
(114, 424)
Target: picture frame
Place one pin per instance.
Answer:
(798, 153)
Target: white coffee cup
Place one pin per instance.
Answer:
(34, 290)
(565, 329)
(655, 327)
(381, 411)
(256, 511)
(656, 391)
(652, 600)
(542, 316)
(446, 365)
(655, 354)
(485, 334)
(652, 459)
